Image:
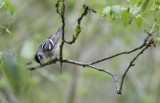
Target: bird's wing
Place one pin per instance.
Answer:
(47, 45)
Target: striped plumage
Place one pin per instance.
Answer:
(48, 48)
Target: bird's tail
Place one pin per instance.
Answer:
(59, 31)
(56, 37)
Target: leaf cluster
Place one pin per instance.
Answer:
(15, 71)
(9, 10)
(136, 11)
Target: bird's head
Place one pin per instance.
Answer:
(39, 56)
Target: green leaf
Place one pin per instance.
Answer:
(2, 2)
(131, 19)
(125, 19)
(138, 20)
(112, 21)
(2, 27)
(146, 6)
(134, 10)
(16, 73)
(106, 12)
(78, 30)
(115, 11)
(6, 29)
(9, 6)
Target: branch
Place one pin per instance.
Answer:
(132, 64)
(57, 8)
(78, 27)
(45, 64)
(126, 52)
(94, 67)
(63, 26)
(64, 60)
(144, 47)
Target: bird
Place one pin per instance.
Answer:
(48, 48)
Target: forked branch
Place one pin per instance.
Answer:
(78, 27)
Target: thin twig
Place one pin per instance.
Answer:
(43, 65)
(63, 31)
(94, 67)
(126, 52)
(132, 64)
(78, 27)
(57, 8)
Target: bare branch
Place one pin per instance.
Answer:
(94, 67)
(57, 8)
(43, 65)
(78, 27)
(132, 64)
(63, 31)
(80, 64)
(126, 52)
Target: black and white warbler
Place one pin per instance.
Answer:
(48, 48)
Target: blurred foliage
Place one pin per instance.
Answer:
(33, 21)
(9, 9)
(16, 73)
